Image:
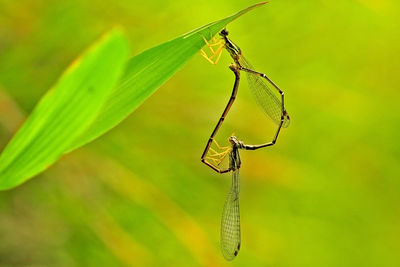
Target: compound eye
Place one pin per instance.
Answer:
(224, 32)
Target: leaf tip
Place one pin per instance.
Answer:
(258, 4)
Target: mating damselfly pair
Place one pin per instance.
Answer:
(271, 99)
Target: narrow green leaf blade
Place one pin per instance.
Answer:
(147, 71)
(65, 112)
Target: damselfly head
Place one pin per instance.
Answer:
(224, 32)
(233, 140)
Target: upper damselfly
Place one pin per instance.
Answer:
(260, 85)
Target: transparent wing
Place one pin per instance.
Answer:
(230, 223)
(264, 93)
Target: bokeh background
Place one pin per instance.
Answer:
(326, 195)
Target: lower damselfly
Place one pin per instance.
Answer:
(230, 222)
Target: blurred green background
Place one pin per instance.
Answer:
(328, 194)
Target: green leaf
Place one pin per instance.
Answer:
(146, 72)
(65, 112)
(90, 99)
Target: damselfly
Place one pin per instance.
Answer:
(230, 222)
(260, 85)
